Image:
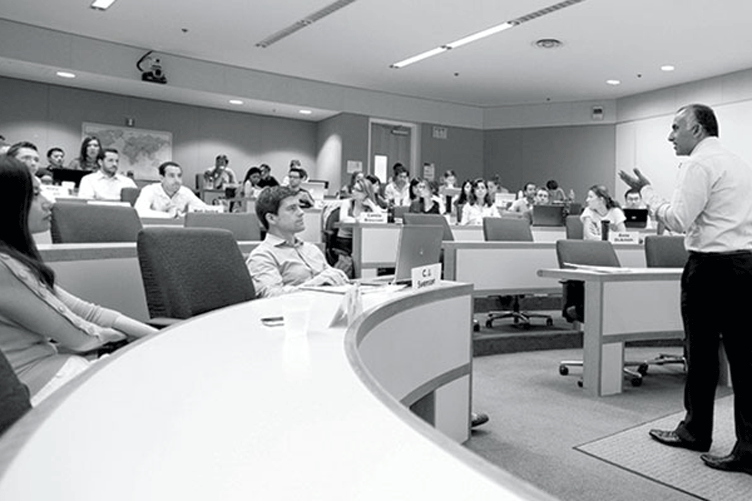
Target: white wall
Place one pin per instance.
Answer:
(644, 121)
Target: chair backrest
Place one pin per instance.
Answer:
(506, 229)
(14, 396)
(129, 195)
(665, 251)
(573, 226)
(189, 271)
(430, 220)
(588, 252)
(86, 223)
(328, 232)
(243, 225)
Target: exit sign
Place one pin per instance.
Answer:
(439, 132)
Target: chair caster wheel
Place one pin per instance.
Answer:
(642, 369)
(563, 370)
(549, 322)
(476, 326)
(489, 324)
(579, 383)
(636, 381)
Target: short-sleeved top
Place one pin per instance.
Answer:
(615, 215)
(155, 202)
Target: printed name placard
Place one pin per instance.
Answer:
(373, 217)
(625, 237)
(426, 276)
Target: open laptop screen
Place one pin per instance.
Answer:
(548, 215)
(418, 246)
(636, 218)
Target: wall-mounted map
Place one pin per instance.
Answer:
(141, 150)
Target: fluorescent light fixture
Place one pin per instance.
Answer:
(305, 112)
(667, 67)
(488, 32)
(236, 101)
(102, 4)
(481, 34)
(613, 82)
(65, 74)
(420, 57)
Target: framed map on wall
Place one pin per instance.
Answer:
(141, 150)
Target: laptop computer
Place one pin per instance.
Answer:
(548, 215)
(316, 189)
(70, 175)
(636, 218)
(418, 246)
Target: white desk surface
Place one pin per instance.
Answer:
(221, 407)
(621, 306)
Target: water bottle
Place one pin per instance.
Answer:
(605, 224)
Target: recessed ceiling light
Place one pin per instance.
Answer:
(667, 67)
(102, 4)
(548, 43)
(613, 82)
(236, 101)
(65, 74)
(305, 112)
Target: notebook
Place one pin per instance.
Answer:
(636, 218)
(548, 215)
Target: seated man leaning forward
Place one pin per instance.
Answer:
(282, 263)
(168, 197)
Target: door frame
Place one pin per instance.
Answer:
(414, 143)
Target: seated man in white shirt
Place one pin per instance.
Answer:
(167, 198)
(282, 263)
(106, 183)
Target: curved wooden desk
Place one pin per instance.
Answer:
(222, 407)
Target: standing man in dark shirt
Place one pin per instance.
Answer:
(712, 205)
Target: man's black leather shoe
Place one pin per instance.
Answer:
(671, 438)
(732, 462)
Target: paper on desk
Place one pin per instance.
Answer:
(599, 269)
(364, 289)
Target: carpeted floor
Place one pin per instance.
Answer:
(538, 418)
(635, 451)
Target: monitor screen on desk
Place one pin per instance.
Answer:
(317, 189)
(70, 175)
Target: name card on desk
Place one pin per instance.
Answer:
(208, 208)
(625, 237)
(425, 277)
(373, 217)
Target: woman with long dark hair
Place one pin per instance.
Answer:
(479, 206)
(34, 310)
(87, 157)
(600, 207)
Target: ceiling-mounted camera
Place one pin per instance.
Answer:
(153, 72)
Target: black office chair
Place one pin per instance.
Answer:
(573, 226)
(129, 195)
(664, 251)
(189, 271)
(74, 222)
(593, 253)
(503, 229)
(243, 225)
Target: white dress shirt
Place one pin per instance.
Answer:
(712, 203)
(153, 201)
(99, 186)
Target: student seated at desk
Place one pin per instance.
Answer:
(282, 263)
(600, 207)
(425, 201)
(479, 205)
(34, 311)
(168, 197)
(362, 200)
(106, 183)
